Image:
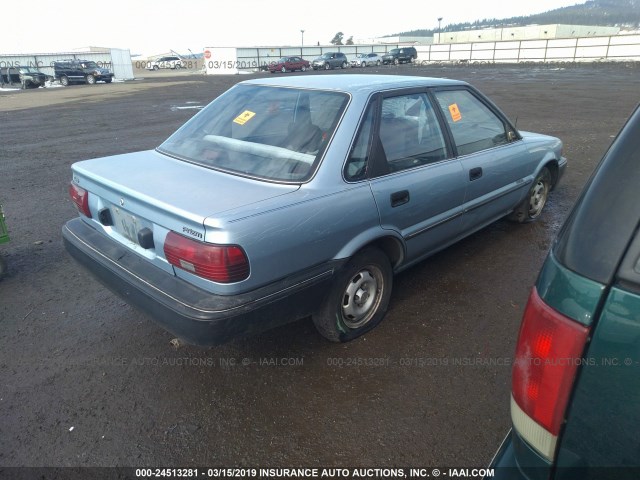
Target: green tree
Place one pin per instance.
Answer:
(337, 39)
(349, 40)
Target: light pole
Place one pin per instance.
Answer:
(439, 29)
(302, 32)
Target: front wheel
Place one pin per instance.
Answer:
(303, 69)
(64, 80)
(531, 207)
(327, 66)
(91, 80)
(378, 63)
(283, 70)
(359, 297)
(396, 61)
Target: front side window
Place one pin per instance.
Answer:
(474, 126)
(410, 133)
(272, 133)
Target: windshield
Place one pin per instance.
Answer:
(326, 55)
(272, 133)
(395, 50)
(28, 70)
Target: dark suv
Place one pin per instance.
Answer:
(80, 71)
(575, 397)
(400, 55)
(330, 60)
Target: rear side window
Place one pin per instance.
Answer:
(474, 126)
(410, 133)
(356, 167)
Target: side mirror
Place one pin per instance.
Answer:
(511, 135)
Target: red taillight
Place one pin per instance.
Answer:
(548, 354)
(220, 263)
(81, 198)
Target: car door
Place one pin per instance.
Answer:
(492, 155)
(417, 183)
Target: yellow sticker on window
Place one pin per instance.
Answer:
(456, 116)
(244, 117)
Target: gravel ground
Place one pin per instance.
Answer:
(85, 380)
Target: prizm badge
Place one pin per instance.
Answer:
(192, 232)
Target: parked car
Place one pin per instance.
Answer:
(400, 55)
(575, 383)
(31, 77)
(295, 196)
(80, 71)
(171, 62)
(366, 59)
(289, 64)
(330, 60)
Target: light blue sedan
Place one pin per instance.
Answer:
(302, 196)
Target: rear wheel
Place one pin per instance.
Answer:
(531, 207)
(359, 297)
(364, 64)
(108, 80)
(283, 70)
(396, 61)
(378, 63)
(344, 65)
(303, 69)
(156, 67)
(327, 66)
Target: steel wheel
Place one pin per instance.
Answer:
(358, 298)
(531, 207)
(64, 80)
(362, 296)
(538, 197)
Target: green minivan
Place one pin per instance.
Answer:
(575, 398)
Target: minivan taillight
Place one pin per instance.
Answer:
(81, 198)
(220, 263)
(548, 354)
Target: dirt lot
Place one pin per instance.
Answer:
(85, 380)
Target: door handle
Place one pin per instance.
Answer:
(475, 173)
(399, 198)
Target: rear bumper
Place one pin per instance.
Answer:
(192, 314)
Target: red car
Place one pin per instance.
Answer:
(290, 64)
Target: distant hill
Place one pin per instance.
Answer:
(606, 13)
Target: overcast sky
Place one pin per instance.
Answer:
(148, 27)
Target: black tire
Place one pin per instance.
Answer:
(303, 69)
(3, 267)
(531, 207)
(156, 68)
(108, 80)
(378, 63)
(283, 70)
(64, 80)
(344, 65)
(396, 61)
(359, 297)
(91, 80)
(327, 66)
(364, 65)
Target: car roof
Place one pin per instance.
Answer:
(354, 83)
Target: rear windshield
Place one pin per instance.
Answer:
(271, 133)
